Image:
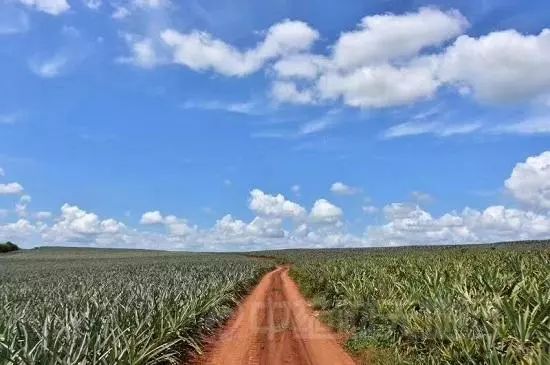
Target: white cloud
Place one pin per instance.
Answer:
(412, 225)
(52, 7)
(539, 125)
(301, 66)
(266, 227)
(93, 4)
(153, 217)
(153, 9)
(142, 52)
(339, 188)
(433, 128)
(21, 206)
(201, 52)
(77, 225)
(177, 227)
(321, 124)
(324, 211)
(388, 36)
(260, 229)
(500, 66)
(499, 223)
(228, 226)
(530, 126)
(49, 68)
(276, 206)
(288, 92)
(362, 70)
(529, 182)
(379, 86)
(283, 223)
(20, 231)
(389, 60)
(11, 188)
(295, 189)
(248, 108)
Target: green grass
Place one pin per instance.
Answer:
(82, 306)
(466, 305)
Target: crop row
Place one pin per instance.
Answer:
(126, 310)
(452, 306)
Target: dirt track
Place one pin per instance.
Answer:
(275, 326)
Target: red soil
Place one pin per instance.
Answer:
(275, 326)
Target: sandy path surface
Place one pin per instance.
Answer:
(274, 326)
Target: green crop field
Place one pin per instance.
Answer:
(79, 306)
(473, 305)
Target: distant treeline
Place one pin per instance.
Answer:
(8, 247)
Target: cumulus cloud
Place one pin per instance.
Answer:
(52, 7)
(301, 66)
(379, 86)
(280, 223)
(382, 63)
(276, 206)
(20, 231)
(288, 92)
(378, 65)
(77, 225)
(412, 225)
(178, 227)
(228, 226)
(500, 66)
(153, 217)
(13, 188)
(324, 211)
(200, 51)
(389, 60)
(339, 188)
(529, 182)
(389, 36)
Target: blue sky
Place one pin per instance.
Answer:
(222, 125)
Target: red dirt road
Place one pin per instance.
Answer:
(275, 326)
